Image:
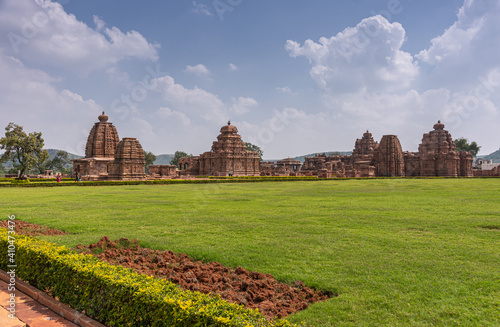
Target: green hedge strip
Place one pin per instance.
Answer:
(117, 296)
(210, 180)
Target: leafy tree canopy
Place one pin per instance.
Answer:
(252, 147)
(58, 163)
(177, 156)
(25, 150)
(150, 159)
(462, 144)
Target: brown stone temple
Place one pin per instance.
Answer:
(437, 156)
(229, 157)
(108, 158)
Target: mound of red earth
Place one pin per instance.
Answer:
(252, 289)
(26, 228)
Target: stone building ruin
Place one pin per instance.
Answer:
(108, 158)
(228, 157)
(437, 156)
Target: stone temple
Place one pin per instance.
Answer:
(229, 157)
(109, 158)
(106, 157)
(437, 156)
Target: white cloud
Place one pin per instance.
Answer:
(200, 8)
(284, 90)
(242, 105)
(466, 50)
(42, 32)
(194, 102)
(99, 23)
(29, 98)
(233, 67)
(475, 20)
(199, 70)
(167, 113)
(366, 56)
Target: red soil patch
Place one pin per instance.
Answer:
(26, 228)
(252, 289)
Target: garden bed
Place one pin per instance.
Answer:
(252, 289)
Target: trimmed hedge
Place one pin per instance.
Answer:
(117, 296)
(165, 181)
(210, 180)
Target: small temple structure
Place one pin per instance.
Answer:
(228, 157)
(106, 157)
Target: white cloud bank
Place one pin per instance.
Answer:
(369, 81)
(30, 99)
(366, 56)
(41, 32)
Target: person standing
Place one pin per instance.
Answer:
(58, 178)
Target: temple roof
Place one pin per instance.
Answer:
(129, 149)
(102, 140)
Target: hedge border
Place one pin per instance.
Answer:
(61, 309)
(117, 296)
(243, 179)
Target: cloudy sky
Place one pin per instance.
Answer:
(294, 76)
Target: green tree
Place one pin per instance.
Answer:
(462, 144)
(25, 150)
(58, 163)
(177, 156)
(252, 147)
(150, 159)
(3, 171)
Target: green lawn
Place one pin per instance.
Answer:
(399, 252)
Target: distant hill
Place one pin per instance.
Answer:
(495, 156)
(303, 157)
(52, 154)
(163, 159)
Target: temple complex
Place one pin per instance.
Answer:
(229, 157)
(437, 156)
(106, 157)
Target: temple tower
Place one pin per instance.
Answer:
(389, 158)
(102, 140)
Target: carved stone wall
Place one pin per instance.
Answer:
(364, 148)
(129, 163)
(412, 164)
(159, 171)
(466, 164)
(102, 140)
(388, 158)
(437, 153)
(228, 157)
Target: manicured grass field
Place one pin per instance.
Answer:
(399, 252)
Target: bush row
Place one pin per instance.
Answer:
(117, 296)
(239, 179)
(159, 182)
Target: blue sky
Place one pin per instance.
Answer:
(295, 77)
